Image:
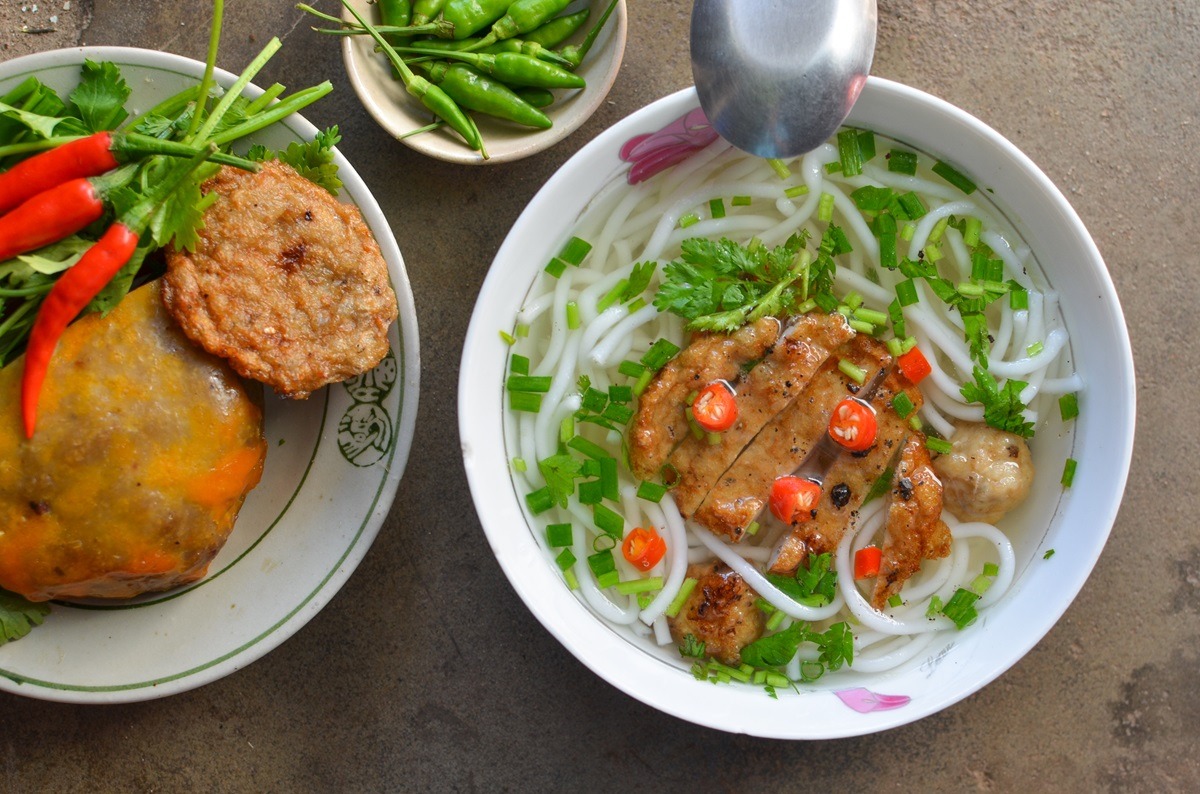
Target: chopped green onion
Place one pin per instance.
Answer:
(752, 528)
(688, 219)
(776, 620)
(954, 177)
(651, 491)
(825, 207)
(912, 204)
(530, 383)
(871, 316)
(969, 290)
(570, 578)
(971, 231)
(833, 168)
(1068, 475)
(716, 208)
(961, 608)
(590, 492)
(852, 371)
(518, 365)
(631, 369)
(620, 394)
(637, 304)
(556, 267)
(935, 607)
(849, 153)
(519, 465)
(608, 479)
(906, 292)
(980, 584)
(566, 429)
(539, 501)
(611, 297)
(685, 590)
(915, 423)
(1034, 349)
(659, 354)
(991, 569)
(895, 601)
(525, 401)
(854, 300)
(593, 400)
(635, 586)
(508, 338)
(902, 162)
(862, 327)
(779, 167)
(866, 145)
(939, 228)
(895, 346)
(713, 439)
(573, 319)
(1018, 299)
(559, 535)
(903, 405)
(1049, 553)
(575, 251)
(522, 330)
(608, 521)
(607, 580)
(796, 191)
(939, 445)
(907, 231)
(602, 562)
(565, 558)
(618, 413)
(1068, 406)
(740, 201)
(589, 448)
(932, 252)
(887, 250)
(643, 381)
(777, 679)
(603, 543)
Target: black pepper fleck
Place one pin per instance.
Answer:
(840, 495)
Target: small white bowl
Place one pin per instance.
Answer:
(1076, 521)
(397, 112)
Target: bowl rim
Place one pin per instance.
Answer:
(611, 656)
(408, 360)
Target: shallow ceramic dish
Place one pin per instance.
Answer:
(398, 113)
(1075, 523)
(332, 468)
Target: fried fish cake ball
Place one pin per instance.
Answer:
(145, 449)
(287, 283)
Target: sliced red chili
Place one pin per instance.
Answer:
(644, 548)
(793, 498)
(715, 408)
(853, 424)
(867, 561)
(914, 365)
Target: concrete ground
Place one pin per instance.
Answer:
(427, 673)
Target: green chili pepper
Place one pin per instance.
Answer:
(575, 53)
(538, 97)
(511, 68)
(474, 91)
(395, 13)
(526, 48)
(523, 16)
(432, 97)
(425, 10)
(556, 31)
(470, 16)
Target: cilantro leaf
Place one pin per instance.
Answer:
(560, 472)
(813, 585)
(18, 616)
(1002, 408)
(719, 285)
(692, 647)
(312, 160)
(100, 96)
(43, 126)
(777, 649)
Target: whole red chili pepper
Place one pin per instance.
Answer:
(54, 214)
(89, 156)
(69, 295)
(81, 282)
(82, 157)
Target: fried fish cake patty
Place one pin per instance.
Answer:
(287, 283)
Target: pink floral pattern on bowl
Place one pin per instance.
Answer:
(654, 152)
(864, 701)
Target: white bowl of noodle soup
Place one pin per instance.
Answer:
(1034, 587)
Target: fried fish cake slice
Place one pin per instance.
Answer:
(286, 282)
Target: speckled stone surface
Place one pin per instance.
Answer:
(427, 673)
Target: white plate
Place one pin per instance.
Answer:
(333, 464)
(398, 112)
(1075, 523)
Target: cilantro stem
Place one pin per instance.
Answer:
(214, 40)
(236, 89)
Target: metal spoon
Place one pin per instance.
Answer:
(777, 77)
